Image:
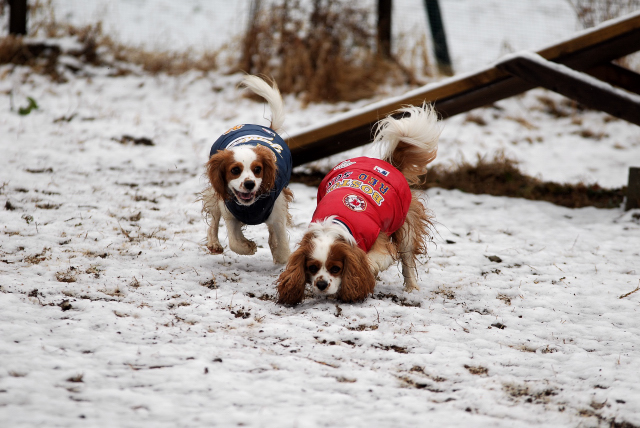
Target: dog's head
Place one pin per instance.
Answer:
(242, 173)
(329, 259)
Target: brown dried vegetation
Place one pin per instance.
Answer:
(500, 176)
(96, 48)
(324, 53)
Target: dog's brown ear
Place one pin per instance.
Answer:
(357, 279)
(292, 281)
(217, 170)
(269, 169)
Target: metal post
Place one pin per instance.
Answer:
(18, 17)
(384, 27)
(439, 37)
(633, 189)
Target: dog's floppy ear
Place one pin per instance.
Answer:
(269, 169)
(216, 171)
(292, 281)
(357, 279)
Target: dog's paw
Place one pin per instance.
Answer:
(280, 259)
(410, 286)
(215, 248)
(244, 248)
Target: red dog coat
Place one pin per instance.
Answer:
(367, 195)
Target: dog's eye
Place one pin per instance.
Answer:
(257, 170)
(313, 269)
(235, 170)
(335, 269)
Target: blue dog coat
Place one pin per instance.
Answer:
(253, 135)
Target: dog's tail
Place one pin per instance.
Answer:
(411, 142)
(271, 94)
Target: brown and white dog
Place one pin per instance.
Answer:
(367, 218)
(248, 170)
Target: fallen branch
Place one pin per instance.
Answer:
(629, 293)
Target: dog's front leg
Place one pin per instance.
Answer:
(237, 242)
(211, 206)
(380, 255)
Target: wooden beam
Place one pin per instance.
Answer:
(459, 94)
(617, 76)
(573, 84)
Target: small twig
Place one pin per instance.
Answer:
(466, 330)
(574, 242)
(629, 293)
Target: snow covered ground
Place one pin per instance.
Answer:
(112, 312)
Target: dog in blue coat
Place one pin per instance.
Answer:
(249, 169)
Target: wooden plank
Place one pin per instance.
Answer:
(573, 84)
(617, 76)
(463, 93)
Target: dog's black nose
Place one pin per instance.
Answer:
(249, 185)
(322, 285)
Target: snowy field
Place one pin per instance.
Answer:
(112, 312)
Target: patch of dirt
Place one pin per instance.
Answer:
(402, 301)
(477, 370)
(506, 299)
(210, 284)
(527, 393)
(65, 305)
(396, 348)
(363, 327)
(70, 275)
(445, 292)
(418, 369)
(411, 383)
(241, 313)
(38, 258)
(136, 141)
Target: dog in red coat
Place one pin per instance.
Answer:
(367, 217)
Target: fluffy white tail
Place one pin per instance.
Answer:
(410, 143)
(271, 94)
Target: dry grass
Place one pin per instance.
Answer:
(325, 52)
(592, 12)
(97, 49)
(500, 176)
(40, 57)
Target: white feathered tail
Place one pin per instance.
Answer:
(410, 143)
(271, 94)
